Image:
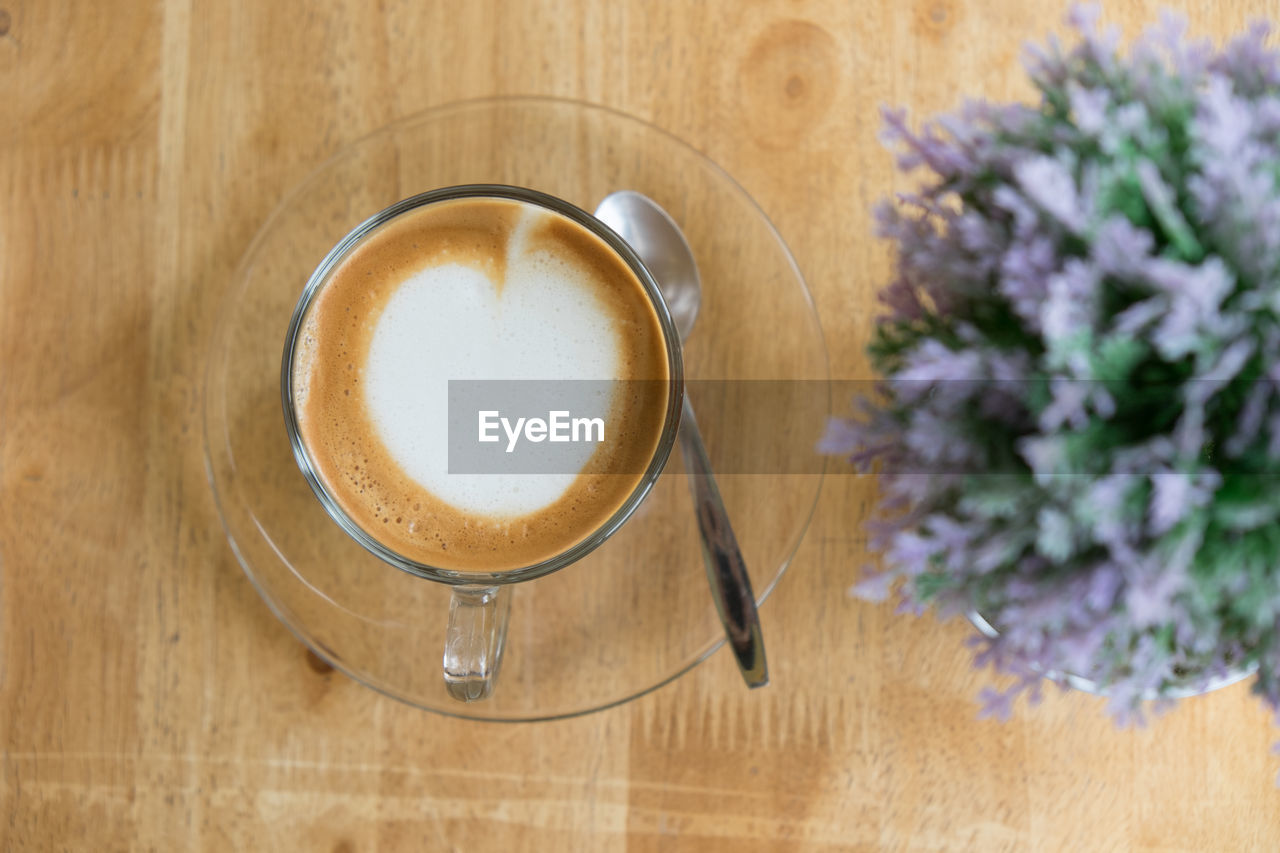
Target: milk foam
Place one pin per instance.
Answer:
(451, 321)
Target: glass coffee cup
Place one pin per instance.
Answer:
(481, 594)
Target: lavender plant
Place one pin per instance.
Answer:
(1077, 431)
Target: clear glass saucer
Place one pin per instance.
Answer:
(636, 613)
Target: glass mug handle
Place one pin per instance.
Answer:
(477, 632)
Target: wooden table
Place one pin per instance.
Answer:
(148, 698)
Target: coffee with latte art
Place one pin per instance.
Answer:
(473, 289)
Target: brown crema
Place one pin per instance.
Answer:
(342, 441)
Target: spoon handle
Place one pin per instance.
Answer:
(730, 586)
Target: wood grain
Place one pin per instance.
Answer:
(148, 698)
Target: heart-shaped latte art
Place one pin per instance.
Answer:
(453, 322)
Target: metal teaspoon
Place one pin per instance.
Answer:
(658, 241)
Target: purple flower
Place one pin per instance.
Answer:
(1120, 249)
(1068, 312)
(996, 704)
(1195, 298)
(1078, 359)
(1176, 494)
(1088, 107)
(874, 587)
(1050, 184)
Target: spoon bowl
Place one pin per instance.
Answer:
(660, 243)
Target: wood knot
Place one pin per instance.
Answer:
(6, 21)
(787, 81)
(318, 665)
(935, 18)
